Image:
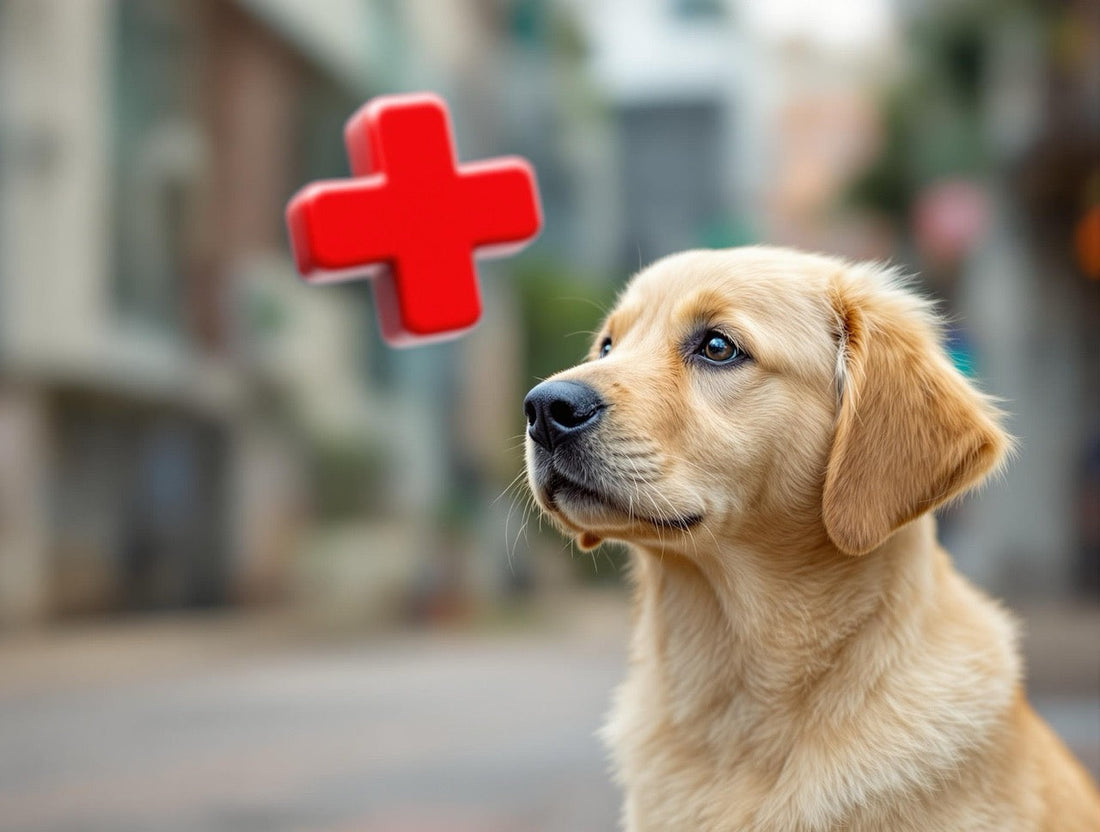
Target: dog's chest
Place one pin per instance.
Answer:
(676, 777)
(736, 767)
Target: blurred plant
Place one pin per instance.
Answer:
(606, 565)
(561, 309)
(932, 118)
(536, 24)
(347, 476)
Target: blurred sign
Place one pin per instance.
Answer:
(949, 219)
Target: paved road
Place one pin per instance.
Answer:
(216, 725)
(426, 734)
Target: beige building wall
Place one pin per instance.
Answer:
(53, 59)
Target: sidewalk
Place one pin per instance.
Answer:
(244, 724)
(1061, 649)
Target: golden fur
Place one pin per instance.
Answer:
(804, 656)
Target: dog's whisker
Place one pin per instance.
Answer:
(591, 333)
(508, 487)
(510, 549)
(522, 528)
(599, 307)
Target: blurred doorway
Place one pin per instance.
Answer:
(139, 499)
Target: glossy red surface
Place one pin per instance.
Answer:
(412, 218)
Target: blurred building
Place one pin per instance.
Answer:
(182, 422)
(673, 77)
(167, 391)
(989, 165)
(736, 125)
(1031, 298)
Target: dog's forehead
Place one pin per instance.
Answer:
(774, 286)
(742, 274)
(777, 299)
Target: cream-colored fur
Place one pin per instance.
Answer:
(804, 656)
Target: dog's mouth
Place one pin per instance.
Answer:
(561, 490)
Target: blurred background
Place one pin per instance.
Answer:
(259, 571)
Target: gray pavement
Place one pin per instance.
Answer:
(224, 724)
(416, 733)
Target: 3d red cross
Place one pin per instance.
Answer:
(412, 218)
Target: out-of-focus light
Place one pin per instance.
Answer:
(853, 23)
(1087, 242)
(949, 219)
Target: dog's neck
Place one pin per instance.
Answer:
(778, 671)
(737, 624)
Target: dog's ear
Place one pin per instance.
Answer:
(911, 432)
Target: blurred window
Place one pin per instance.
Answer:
(700, 10)
(670, 152)
(156, 148)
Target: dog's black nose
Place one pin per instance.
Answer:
(559, 410)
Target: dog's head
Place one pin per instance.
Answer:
(758, 394)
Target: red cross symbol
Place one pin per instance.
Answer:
(412, 218)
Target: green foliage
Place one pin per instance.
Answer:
(347, 477)
(606, 565)
(888, 184)
(561, 310)
(933, 120)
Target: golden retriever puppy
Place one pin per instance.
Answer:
(770, 432)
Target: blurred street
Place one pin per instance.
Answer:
(234, 730)
(238, 724)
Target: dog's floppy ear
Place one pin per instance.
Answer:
(911, 432)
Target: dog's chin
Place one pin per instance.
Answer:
(593, 514)
(585, 510)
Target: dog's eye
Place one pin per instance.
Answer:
(719, 349)
(605, 347)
